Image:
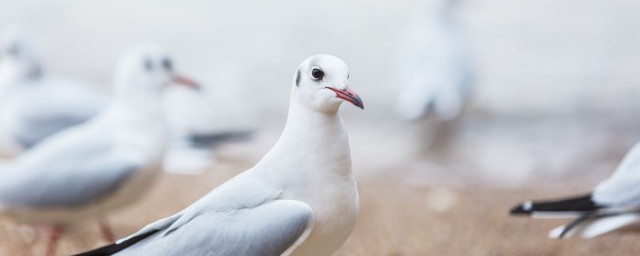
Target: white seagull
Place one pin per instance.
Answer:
(33, 104)
(614, 204)
(434, 69)
(299, 199)
(90, 169)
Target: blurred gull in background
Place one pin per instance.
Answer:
(300, 199)
(434, 70)
(194, 130)
(613, 205)
(34, 104)
(105, 163)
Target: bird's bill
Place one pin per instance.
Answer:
(348, 95)
(185, 81)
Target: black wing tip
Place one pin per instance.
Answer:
(101, 251)
(520, 210)
(583, 203)
(116, 247)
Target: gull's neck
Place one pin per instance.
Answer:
(312, 142)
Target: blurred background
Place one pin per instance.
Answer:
(553, 109)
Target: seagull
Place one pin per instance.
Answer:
(299, 199)
(434, 69)
(33, 104)
(106, 163)
(195, 130)
(614, 204)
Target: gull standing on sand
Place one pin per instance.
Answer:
(299, 199)
(613, 205)
(88, 170)
(434, 69)
(33, 104)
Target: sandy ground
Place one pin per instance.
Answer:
(425, 202)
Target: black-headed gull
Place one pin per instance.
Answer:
(90, 169)
(33, 104)
(299, 199)
(434, 71)
(613, 204)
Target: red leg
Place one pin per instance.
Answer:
(53, 235)
(106, 232)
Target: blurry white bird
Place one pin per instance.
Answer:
(195, 131)
(33, 104)
(90, 169)
(613, 205)
(300, 199)
(434, 70)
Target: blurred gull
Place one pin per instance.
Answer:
(33, 104)
(194, 130)
(300, 199)
(434, 70)
(105, 163)
(613, 205)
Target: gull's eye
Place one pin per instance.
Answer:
(14, 50)
(317, 73)
(166, 63)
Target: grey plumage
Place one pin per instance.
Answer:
(80, 171)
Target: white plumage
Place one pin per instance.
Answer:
(614, 204)
(90, 169)
(299, 199)
(434, 70)
(34, 104)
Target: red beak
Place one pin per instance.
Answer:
(178, 79)
(348, 95)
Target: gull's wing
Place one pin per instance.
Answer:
(75, 167)
(45, 109)
(269, 229)
(623, 187)
(618, 194)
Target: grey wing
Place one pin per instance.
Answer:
(68, 186)
(38, 129)
(269, 229)
(66, 172)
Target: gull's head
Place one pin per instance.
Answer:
(20, 50)
(148, 69)
(321, 83)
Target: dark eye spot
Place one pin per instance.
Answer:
(298, 78)
(148, 64)
(166, 63)
(14, 50)
(317, 73)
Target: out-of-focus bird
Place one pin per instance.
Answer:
(33, 104)
(195, 131)
(434, 71)
(300, 199)
(614, 204)
(90, 169)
